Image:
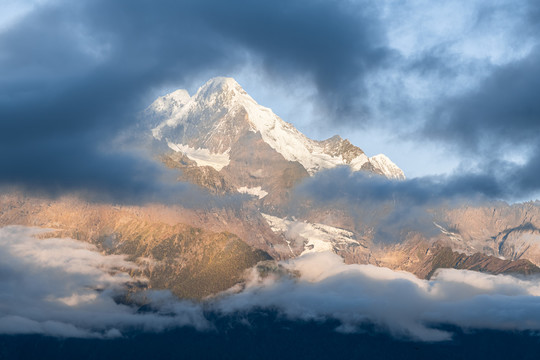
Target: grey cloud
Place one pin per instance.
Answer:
(499, 118)
(394, 208)
(482, 82)
(75, 74)
(503, 111)
(62, 107)
(360, 188)
(336, 43)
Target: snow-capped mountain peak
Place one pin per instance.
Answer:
(221, 113)
(219, 85)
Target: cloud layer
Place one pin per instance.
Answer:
(397, 301)
(65, 288)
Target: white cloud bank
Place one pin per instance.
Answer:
(66, 288)
(398, 301)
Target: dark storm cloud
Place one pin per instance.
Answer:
(61, 105)
(500, 117)
(335, 42)
(75, 74)
(360, 187)
(503, 111)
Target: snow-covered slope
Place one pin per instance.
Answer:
(387, 167)
(203, 157)
(221, 112)
(255, 191)
(313, 237)
(170, 103)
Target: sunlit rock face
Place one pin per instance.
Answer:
(193, 253)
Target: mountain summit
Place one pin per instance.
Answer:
(221, 122)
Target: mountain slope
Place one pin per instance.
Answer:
(192, 254)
